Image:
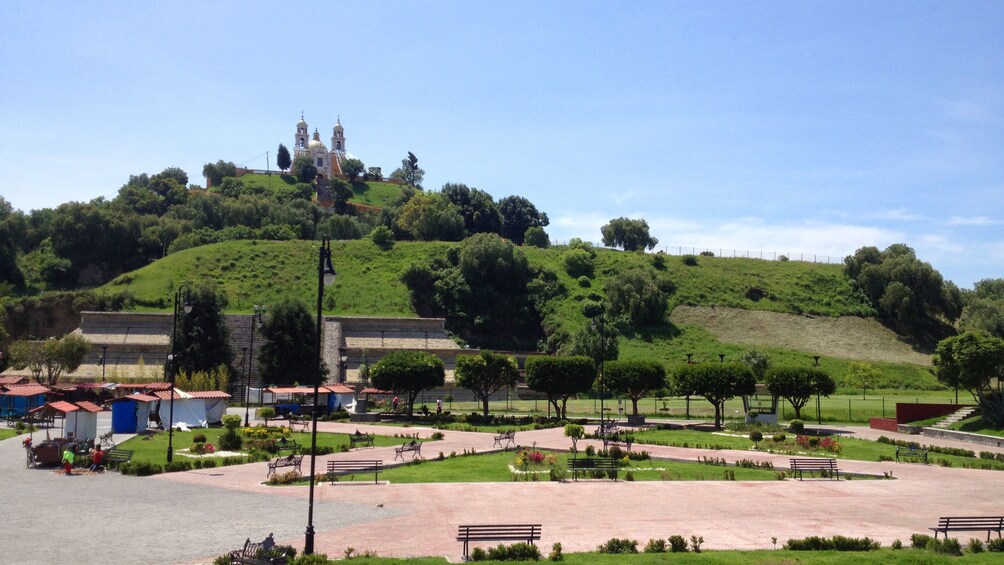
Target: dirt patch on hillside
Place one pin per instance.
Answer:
(846, 337)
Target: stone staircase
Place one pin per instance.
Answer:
(956, 417)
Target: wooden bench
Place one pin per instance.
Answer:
(352, 467)
(414, 447)
(589, 465)
(105, 440)
(508, 437)
(358, 439)
(912, 452)
(969, 524)
(115, 456)
(528, 533)
(827, 466)
(263, 553)
(292, 460)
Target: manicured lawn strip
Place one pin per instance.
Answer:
(6, 433)
(977, 426)
(494, 467)
(154, 450)
(459, 426)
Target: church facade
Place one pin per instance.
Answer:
(328, 162)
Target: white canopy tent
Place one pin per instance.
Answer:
(189, 412)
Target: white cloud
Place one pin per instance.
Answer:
(970, 221)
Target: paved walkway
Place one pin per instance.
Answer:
(193, 517)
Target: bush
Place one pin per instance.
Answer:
(677, 544)
(975, 545)
(555, 554)
(615, 452)
(199, 438)
(231, 421)
(897, 544)
(796, 426)
(707, 254)
(778, 438)
(230, 439)
(756, 436)
(515, 552)
(584, 282)
(947, 546)
(578, 263)
(920, 541)
(655, 546)
(382, 237)
(616, 545)
(266, 413)
(996, 546)
(836, 543)
(310, 559)
(287, 478)
(690, 260)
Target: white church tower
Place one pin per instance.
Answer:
(338, 138)
(300, 145)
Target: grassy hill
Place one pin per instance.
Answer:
(378, 194)
(264, 272)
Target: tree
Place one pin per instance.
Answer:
(289, 354)
(983, 307)
(716, 382)
(863, 376)
(632, 235)
(559, 378)
(341, 192)
(478, 209)
(409, 171)
(49, 359)
(634, 379)
(304, 169)
(282, 158)
(352, 168)
(518, 215)
(202, 342)
(974, 361)
(382, 237)
(373, 173)
(428, 216)
(798, 384)
(216, 172)
(535, 236)
(908, 294)
(639, 297)
(408, 373)
(757, 361)
(485, 374)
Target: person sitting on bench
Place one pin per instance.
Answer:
(97, 459)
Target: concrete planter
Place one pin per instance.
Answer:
(636, 420)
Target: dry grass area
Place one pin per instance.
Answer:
(846, 337)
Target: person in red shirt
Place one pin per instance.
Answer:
(97, 459)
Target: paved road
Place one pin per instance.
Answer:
(192, 517)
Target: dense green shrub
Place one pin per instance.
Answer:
(690, 260)
(555, 554)
(920, 541)
(996, 546)
(677, 544)
(947, 546)
(616, 545)
(796, 426)
(515, 552)
(230, 439)
(975, 545)
(199, 438)
(836, 543)
(578, 263)
(655, 546)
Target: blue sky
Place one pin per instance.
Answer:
(801, 128)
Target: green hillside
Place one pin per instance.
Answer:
(367, 284)
(378, 194)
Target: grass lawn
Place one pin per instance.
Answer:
(380, 194)
(978, 426)
(711, 557)
(851, 448)
(6, 433)
(494, 467)
(154, 449)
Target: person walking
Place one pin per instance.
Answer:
(439, 406)
(68, 460)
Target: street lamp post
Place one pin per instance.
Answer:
(257, 319)
(325, 277)
(171, 367)
(245, 378)
(104, 363)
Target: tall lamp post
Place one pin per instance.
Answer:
(171, 367)
(104, 363)
(325, 277)
(245, 381)
(257, 319)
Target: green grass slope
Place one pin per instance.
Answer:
(368, 284)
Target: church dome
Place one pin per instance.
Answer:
(316, 145)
